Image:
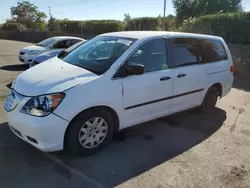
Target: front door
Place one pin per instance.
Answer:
(148, 96)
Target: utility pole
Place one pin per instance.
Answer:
(164, 14)
(49, 20)
(50, 12)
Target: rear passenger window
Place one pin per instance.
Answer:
(184, 51)
(212, 51)
(190, 51)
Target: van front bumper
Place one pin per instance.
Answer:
(45, 133)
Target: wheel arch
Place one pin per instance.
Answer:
(110, 110)
(218, 86)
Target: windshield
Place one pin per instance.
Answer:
(98, 54)
(46, 42)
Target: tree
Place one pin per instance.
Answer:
(127, 17)
(28, 14)
(54, 24)
(195, 8)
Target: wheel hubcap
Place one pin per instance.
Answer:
(93, 132)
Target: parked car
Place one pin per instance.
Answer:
(114, 81)
(48, 55)
(28, 54)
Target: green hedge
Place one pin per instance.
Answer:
(144, 23)
(13, 26)
(233, 27)
(94, 27)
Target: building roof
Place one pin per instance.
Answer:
(146, 34)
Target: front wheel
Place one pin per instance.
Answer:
(89, 132)
(210, 100)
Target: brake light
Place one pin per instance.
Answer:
(232, 69)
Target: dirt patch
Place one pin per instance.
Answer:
(246, 132)
(235, 175)
(3, 97)
(241, 110)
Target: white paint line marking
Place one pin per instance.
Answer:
(97, 184)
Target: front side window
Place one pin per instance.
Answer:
(46, 42)
(152, 55)
(99, 53)
(62, 44)
(184, 51)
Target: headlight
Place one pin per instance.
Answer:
(33, 52)
(42, 105)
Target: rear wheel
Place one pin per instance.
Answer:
(89, 132)
(210, 100)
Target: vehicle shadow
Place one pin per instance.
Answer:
(29, 167)
(14, 67)
(146, 146)
(242, 84)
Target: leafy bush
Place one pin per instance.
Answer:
(144, 23)
(233, 27)
(187, 25)
(94, 27)
(13, 26)
(242, 60)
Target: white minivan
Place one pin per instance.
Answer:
(114, 81)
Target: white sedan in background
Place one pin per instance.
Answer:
(28, 54)
(58, 52)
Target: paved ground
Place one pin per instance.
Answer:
(188, 150)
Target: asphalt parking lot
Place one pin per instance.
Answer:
(189, 150)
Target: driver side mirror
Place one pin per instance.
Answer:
(134, 69)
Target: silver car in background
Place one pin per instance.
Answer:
(48, 55)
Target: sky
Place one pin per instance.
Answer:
(98, 9)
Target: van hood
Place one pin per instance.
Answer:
(33, 47)
(51, 76)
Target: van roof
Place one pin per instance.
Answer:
(146, 34)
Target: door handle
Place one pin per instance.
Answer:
(164, 78)
(181, 75)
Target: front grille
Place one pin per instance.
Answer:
(13, 99)
(22, 53)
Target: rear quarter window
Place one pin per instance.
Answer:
(212, 51)
(191, 51)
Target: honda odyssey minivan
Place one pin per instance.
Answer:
(114, 81)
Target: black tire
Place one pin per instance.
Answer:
(210, 100)
(72, 143)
